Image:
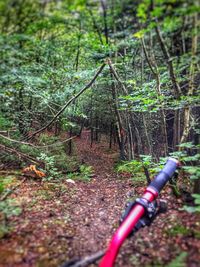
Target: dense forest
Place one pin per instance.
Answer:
(94, 97)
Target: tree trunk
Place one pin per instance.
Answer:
(154, 69)
(70, 142)
(111, 135)
(187, 110)
(176, 86)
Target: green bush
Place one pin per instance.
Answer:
(8, 208)
(84, 174)
(1, 187)
(45, 139)
(50, 167)
(196, 208)
(136, 167)
(5, 124)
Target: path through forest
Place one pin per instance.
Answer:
(60, 221)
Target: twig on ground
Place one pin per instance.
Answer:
(86, 261)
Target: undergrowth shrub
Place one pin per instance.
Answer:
(45, 139)
(29, 150)
(136, 167)
(5, 123)
(8, 207)
(133, 167)
(50, 167)
(84, 174)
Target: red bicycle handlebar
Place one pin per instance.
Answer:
(150, 194)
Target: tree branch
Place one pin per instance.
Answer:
(117, 76)
(69, 102)
(29, 144)
(85, 261)
(148, 59)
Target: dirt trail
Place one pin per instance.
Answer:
(61, 221)
(100, 201)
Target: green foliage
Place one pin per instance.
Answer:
(84, 174)
(50, 168)
(136, 167)
(29, 150)
(6, 180)
(179, 261)
(1, 187)
(8, 208)
(193, 171)
(147, 161)
(190, 168)
(196, 208)
(46, 139)
(5, 123)
(178, 230)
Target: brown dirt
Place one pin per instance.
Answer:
(62, 220)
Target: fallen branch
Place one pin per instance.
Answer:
(16, 141)
(86, 261)
(69, 102)
(2, 172)
(29, 144)
(20, 154)
(11, 190)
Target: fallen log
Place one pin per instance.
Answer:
(20, 154)
(35, 146)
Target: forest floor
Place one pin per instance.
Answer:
(62, 220)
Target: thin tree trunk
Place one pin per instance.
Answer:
(111, 135)
(70, 142)
(147, 135)
(104, 8)
(154, 69)
(176, 86)
(187, 110)
(120, 129)
(91, 136)
(131, 141)
(95, 25)
(96, 129)
(78, 48)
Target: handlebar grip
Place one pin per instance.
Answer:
(165, 175)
